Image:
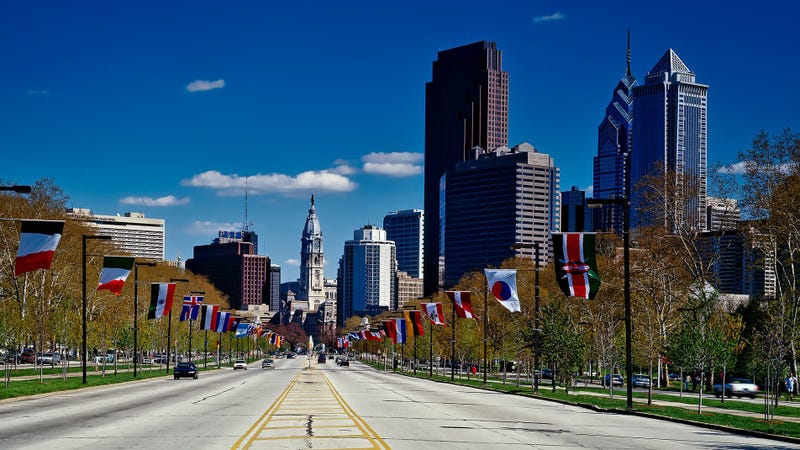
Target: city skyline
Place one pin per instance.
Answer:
(167, 109)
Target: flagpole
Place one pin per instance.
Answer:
(485, 326)
(85, 351)
(453, 346)
(205, 352)
(136, 312)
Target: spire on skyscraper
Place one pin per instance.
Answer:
(628, 55)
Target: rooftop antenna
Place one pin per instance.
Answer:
(628, 55)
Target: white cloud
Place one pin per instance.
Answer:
(393, 169)
(204, 85)
(168, 200)
(555, 17)
(343, 169)
(395, 164)
(292, 262)
(208, 228)
(319, 181)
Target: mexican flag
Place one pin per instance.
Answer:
(575, 264)
(115, 271)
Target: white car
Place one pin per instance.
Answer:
(240, 364)
(738, 387)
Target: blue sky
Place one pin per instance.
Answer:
(165, 107)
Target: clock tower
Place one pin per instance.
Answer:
(312, 262)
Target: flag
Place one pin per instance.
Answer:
(462, 303)
(115, 271)
(400, 331)
(161, 295)
(414, 321)
(221, 324)
(390, 329)
(575, 264)
(374, 335)
(503, 286)
(37, 243)
(209, 317)
(434, 313)
(233, 323)
(244, 329)
(191, 305)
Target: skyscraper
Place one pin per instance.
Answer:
(405, 229)
(670, 132)
(490, 204)
(466, 106)
(610, 176)
(367, 274)
(312, 263)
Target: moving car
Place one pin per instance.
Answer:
(343, 362)
(239, 364)
(268, 364)
(185, 369)
(616, 380)
(737, 387)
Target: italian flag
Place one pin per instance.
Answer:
(37, 244)
(161, 295)
(115, 272)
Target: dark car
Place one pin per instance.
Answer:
(27, 358)
(344, 362)
(641, 381)
(321, 359)
(615, 379)
(185, 369)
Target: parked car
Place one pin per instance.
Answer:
(321, 358)
(268, 363)
(27, 358)
(185, 369)
(737, 387)
(640, 381)
(291, 355)
(615, 379)
(344, 362)
(239, 364)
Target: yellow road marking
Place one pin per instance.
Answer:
(310, 403)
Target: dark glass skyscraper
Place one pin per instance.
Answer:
(611, 176)
(670, 126)
(466, 106)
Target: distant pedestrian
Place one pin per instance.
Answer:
(687, 381)
(694, 383)
(791, 383)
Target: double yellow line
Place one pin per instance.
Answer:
(253, 433)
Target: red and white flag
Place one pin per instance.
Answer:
(434, 313)
(115, 271)
(208, 317)
(462, 302)
(37, 243)
(161, 295)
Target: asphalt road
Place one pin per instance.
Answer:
(328, 407)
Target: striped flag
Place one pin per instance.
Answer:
(400, 331)
(434, 313)
(221, 324)
(502, 284)
(414, 321)
(37, 244)
(462, 302)
(209, 317)
(115, 271)
(575, 264)
(161, 295)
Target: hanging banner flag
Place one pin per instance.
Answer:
(434, 313)
(191, 306)
(400, 331)
(209, 317)
(244, 329)
(414, 321)
(37, 244)
(374, 335)
(115, 271)
(161, 295)
(233, 323)
(390, 329)
(503, 286)
(575, 264)
(462, 302)
(221, 324)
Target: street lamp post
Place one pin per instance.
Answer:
(190, 327)
(84, 350)
(536, 329)
(626, 248)
(136, 313)
(169, 322)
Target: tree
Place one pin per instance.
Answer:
(562, 342)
